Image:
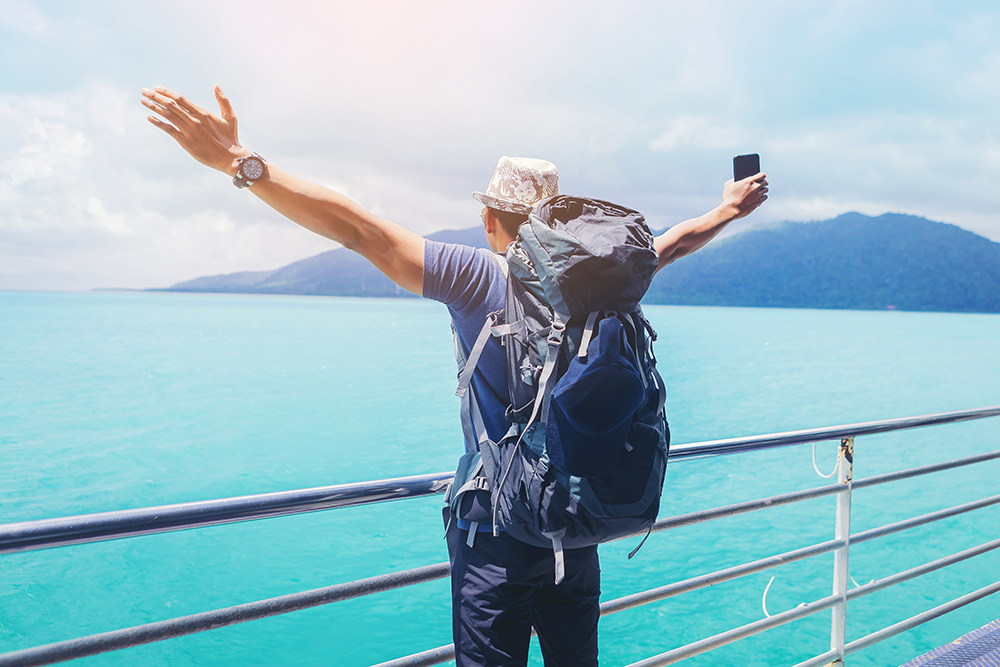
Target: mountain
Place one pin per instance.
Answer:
(333, 273)
(853, 261)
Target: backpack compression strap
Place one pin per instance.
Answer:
(588, 333)
(557, 550)
(661, 387)
(554, 340)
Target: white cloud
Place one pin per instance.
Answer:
(22, 16)
(697, 132)
(681, 129)
(49, 147)
(110, 222)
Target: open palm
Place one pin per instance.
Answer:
(209, 138)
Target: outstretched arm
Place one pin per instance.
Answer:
(212, 140)
(739, 199)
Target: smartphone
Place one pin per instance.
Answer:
(745, 166)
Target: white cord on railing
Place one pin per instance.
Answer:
(763, 600)
(836, 466)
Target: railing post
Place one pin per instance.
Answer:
(845, 473)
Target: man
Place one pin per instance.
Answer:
(501, 588)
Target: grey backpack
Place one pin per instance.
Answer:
(584, 458)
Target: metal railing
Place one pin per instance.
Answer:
(48, 533)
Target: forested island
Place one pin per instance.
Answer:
(853, 261)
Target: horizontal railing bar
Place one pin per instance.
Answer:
(717, 577)
(905, 524)
(748, 506)
(757, 442)
(87, 528)
(434, 656)
(728, 574)
(912, 573)
(736, 509)
(730, 636)
(924, 470)
(186, 625)
(821, 659)
(920, 619)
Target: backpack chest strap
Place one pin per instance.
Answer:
(517, 329)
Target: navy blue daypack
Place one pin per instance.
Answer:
(584, 458)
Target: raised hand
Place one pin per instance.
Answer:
(745, 195)
(208, 138)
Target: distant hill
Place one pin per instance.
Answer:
(333, 273)
(852, 261)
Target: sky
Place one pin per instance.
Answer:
(406, 106)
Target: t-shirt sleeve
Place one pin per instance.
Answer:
(463, 278)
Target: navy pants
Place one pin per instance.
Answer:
(501, 588)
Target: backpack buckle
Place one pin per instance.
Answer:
(556, 332)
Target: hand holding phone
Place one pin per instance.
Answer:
(745, 166)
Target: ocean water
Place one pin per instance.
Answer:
(119, 400)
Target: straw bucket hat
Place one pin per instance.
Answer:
(519, 183)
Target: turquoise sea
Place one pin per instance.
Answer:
(120, 400)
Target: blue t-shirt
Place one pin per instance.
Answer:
(471, 284)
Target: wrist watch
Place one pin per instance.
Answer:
(250, 169)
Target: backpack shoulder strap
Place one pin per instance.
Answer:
(473, 426)
(468, 365)
(477, 350)
(472, 420)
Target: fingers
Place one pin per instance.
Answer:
(180, 101)
(224, 105)
(759, 177)
(166, 106)
(748, 185)
(756, 194)
(165, 126)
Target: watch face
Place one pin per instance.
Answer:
(252, 168)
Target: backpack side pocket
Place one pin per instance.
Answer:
(469, 495)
